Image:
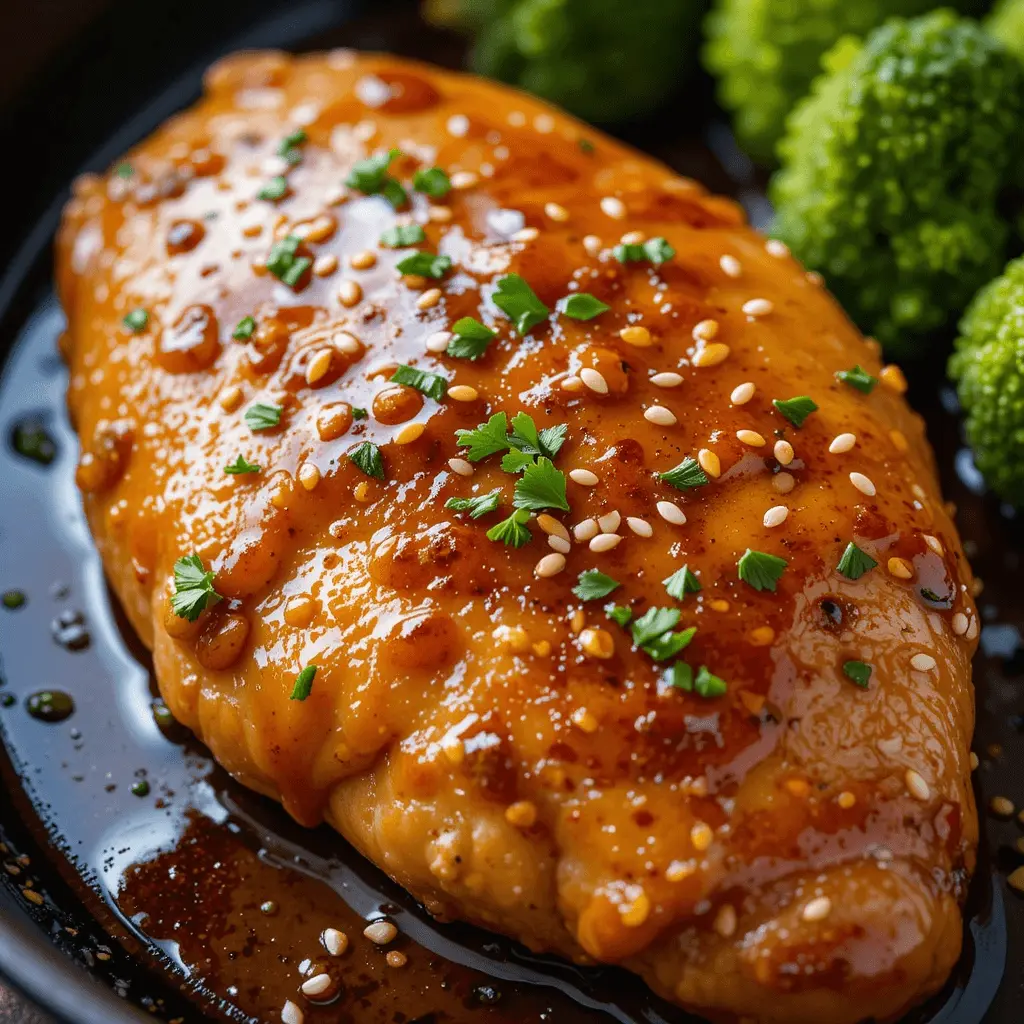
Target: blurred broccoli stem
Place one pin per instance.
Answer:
(604, 60)
(894, 170)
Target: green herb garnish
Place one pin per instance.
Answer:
(193, 588)
(433, 385)
(359, 414)
(370, 176)
(686, 476)
(586, 146)
(541, 486)
(708, 685)
(526, 437)
(594, 584)
(478, 506)
(516, 461)
(653, 633)
(136, 320)
(433, 182)
(858, 378)
(402, 235)
(680, 675)
(283, 262)
(241, 466)
(654, 250)
(581, 306)
(304, 683)
(681, 583)
(760, 570)
(262, 416)
(516, 299)
(367, 457)
(487, 439)
(857, 671)
(796, 410)
(244, 328)
(274, 189)
(512, 531)
(854, 562)
(522, 444)
(288, 147)
(124, 170)
(470, 339)
(425, 264)
(619, 614)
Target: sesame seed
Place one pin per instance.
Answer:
(604, 542)
(640, 527)
(633, 238)
(900, 568)
(934, 543)
(783, 482)
(1015, 879)
(731, 266)
(701, 836)
(309, 476)
(578, 620)
(638, 337)
(711, 355)
(317, 985)
(325, 265)
(634, 914)
(454, 750)
(526, 235)
(671, 513)
(775, 516)
(584, 477)
(846, 800)
(521, 814)
(592, 244)
(461, 466)
(463, 393)
(609, 522)
(679, 870)
(817, 910)
(586, 530)
(347, 343)
(361, 492)
(863, 484)
(899, 440)
(429, 299)
(363, 260)
(594, 380)
(960, 623)
(380, 932)
(923, 662)
(842, 443)
(395, 958)
(409, 433)
(291, 1014)
(513, 638)
(597, 643)
(660, 415)
(705, 330)
(892, 377)
(414, 282)
(318, 366)
(1001, 807)
(750, 437)
(972, 630)
(975, 762)
(776, 248)
(725, 920)
(558, 544)
(439, 214)
(584, 720)
(709, 462)
(464, 179)
(758, 307)
(916, 784)
(551, 526)
(571, 383)
(556, 212)
(550, 565)
(760, 636)
(438, 341)
(349, 293)
(334, 941)
(667, 380)
(230, 398)
(612, 207)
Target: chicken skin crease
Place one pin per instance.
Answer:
(492, 493)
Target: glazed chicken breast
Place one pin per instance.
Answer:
(494, 494)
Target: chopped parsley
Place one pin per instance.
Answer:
(288, 147)
(761, 570)
(582, 306)
(686, 476)
(478, 506)
(193, 588)
(709, 685)
(854, 562)
(859, 672)
(516, 461)
(653, 633)
(262, 416)
(680, 675)
(425, 264)
(367, 457)
(304, 683)
(359, 414)
(619, 614)
(594, 584)
(796, 410)
(585, 145)
(929, 595)
(244, 328)
(512, 531)
(681, 583)
(523, 444)
(654, 250)
(370, 176)
(541, 486)
(283, 262)
(516, 299)
(433, 385)
(433, 182)
(402, 235)
(487, 439)
(470, 339)
(858, 378)
(274, 189)
(240, 466)
(136, 320)
(526, 437)
(124, 170)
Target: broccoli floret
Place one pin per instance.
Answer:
(1006, 23)
(605, 60)
(766, 53)
(893, 170)
(988, 365)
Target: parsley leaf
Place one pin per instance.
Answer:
(274, 189)
(487, 439)
(858, 378)
(478, 506)
(402, 235)
(709, 685)
(760, 570)
(359, 414)
(136, 320)
(668, 645)
(619, 614)
(796, 410)
(433, 182)
(124, 170)
(470, 339)
(283, 262)
(262, 416)
(433, 385)
(653, 623)
(526, 438)
(854, 562)
(193, 588)
(516, 461)
(686, 476)
(680, 675)
(516, 299)
(594, 584)
(681, 583)
(244, 328)
(581, 306)
(370, 176)
(654, 250)
(425, 264)
(858, 672)
(541, 486)
(304, 683)
(512, 531)
(288, 147)
(367, 458)
(240, 466)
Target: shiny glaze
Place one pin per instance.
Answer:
(411, 615)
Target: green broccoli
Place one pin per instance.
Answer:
(988, 365)
(605, 60)
(1006, 23)
(893, 170)
(766, 53)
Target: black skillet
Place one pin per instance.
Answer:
(89, 799)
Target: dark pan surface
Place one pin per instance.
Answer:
(125, 849)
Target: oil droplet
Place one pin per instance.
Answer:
(31, 440)
(50, 705)
(69, 630)
(14, 599)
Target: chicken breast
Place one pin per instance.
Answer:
(747, 781)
